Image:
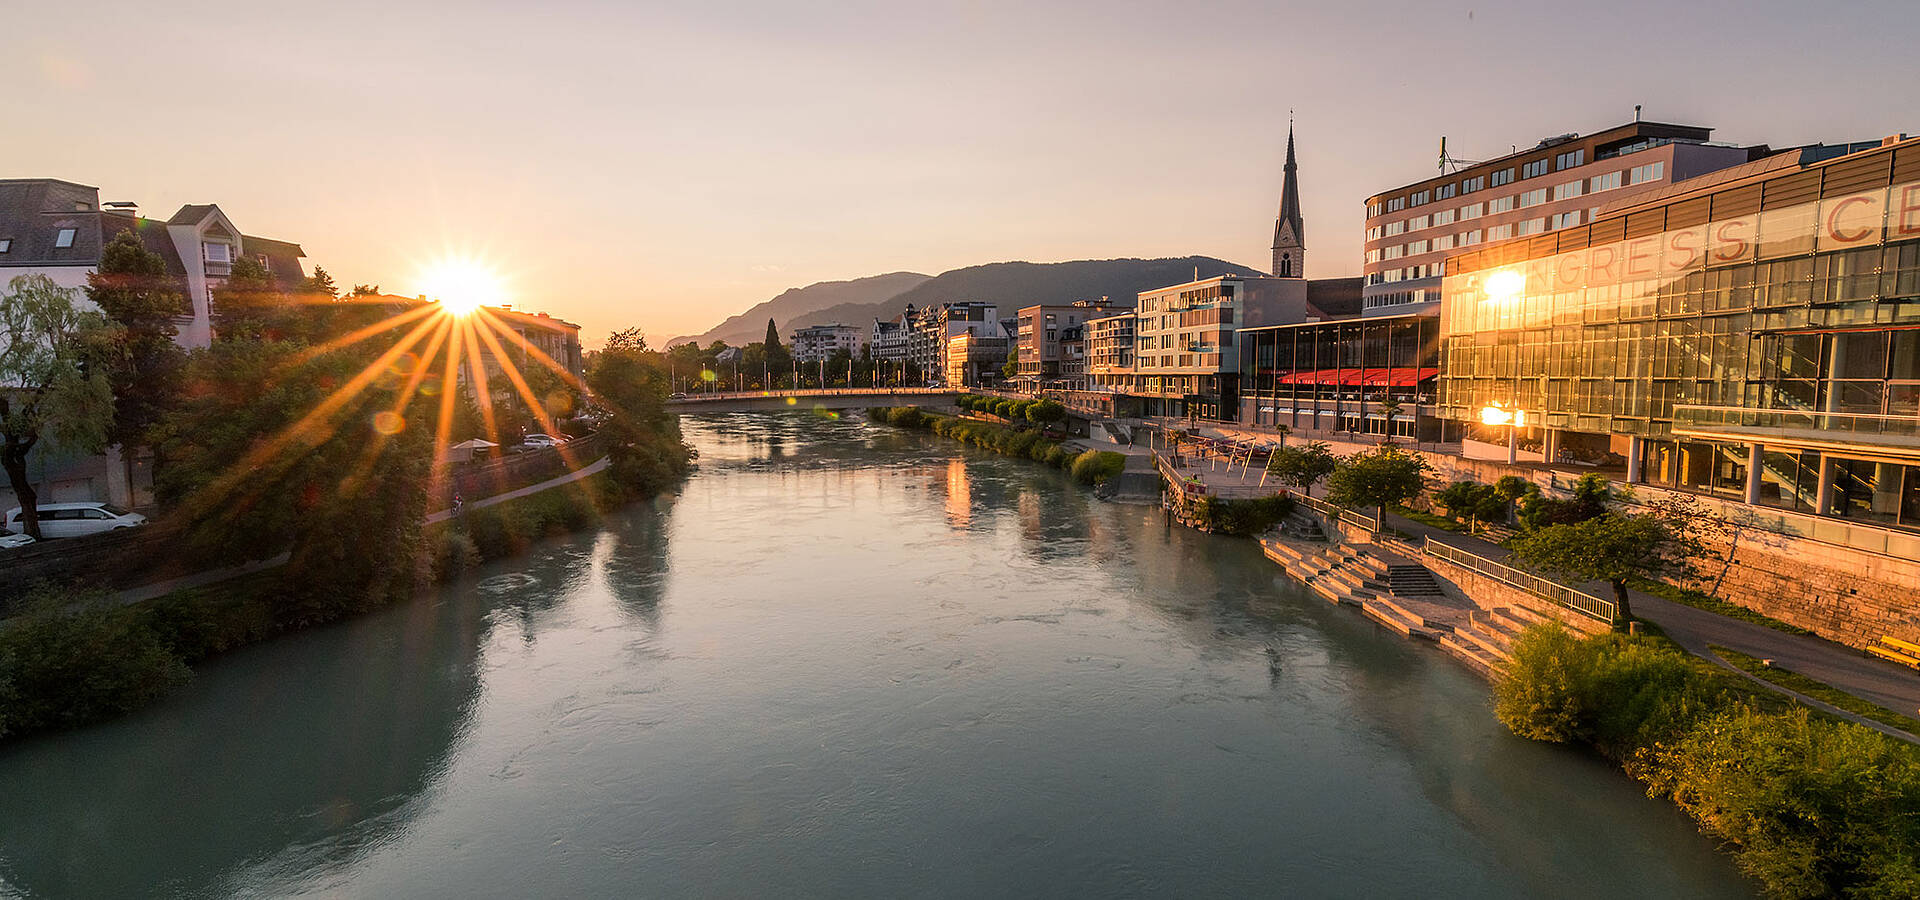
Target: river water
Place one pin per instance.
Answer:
(843, 661)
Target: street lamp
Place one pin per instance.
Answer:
(1499, 415)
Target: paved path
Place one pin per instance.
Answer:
(1696, 629)
(1875, 680)
(147, 592)
(597, 465)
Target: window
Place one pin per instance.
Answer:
(1502, 204)
(1606, 182)
(1569, 190)
(1473, 210)
(1532, 226)
(6, 244)
(1646, 173)
(1373, 209)
(1395, 251)
(1570, 159)
(1415, 248)
(1473, 184)
(1504, 176)
(1445, 191)
(1420, 198)
(1566, 220)
(1534, 169)
(1444, 217)
(1373, 234)
(217, 253)
(1443, 242)
(1418, 222)
(64, 239)
(1396, 204)
(1500, 232)
(1469, 238)
(1373, 256)
(1394, 228)
(1533, 197)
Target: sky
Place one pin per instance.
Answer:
(666, 165)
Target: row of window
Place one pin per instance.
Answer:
(1567, 191)
(1534, 169)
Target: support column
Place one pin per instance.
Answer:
(1513, 442)
(1823, 496)
(1550, 445)
(1754, 457)
(1636, 459)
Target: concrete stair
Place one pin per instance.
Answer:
(1487, 642)
(1412, 581)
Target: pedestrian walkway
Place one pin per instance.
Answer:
(1695, 629)
(157, 589)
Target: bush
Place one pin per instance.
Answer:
(1097, 466)
(1242, 517)
(77, 660)
(1815, 807)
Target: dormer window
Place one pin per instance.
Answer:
(218, 253)
(64, 239)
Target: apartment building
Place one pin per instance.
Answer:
(1040, 333)
(1109, 350)
(817, 342)
(889, 338)
(1562, 182)
(929, 328)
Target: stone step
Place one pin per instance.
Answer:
(1396, 618)
(1490, 643)
(1412, 581)
(1506, 619)
(1522, 616)
(1475, 658)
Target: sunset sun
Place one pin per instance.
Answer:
(463, 284)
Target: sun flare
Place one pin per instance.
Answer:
(463, 284)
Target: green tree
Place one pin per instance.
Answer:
(643, 438)
(320, 283)
(627, 340)
(1045, 412)
(1591, 492)
(54, 363)
(1615, 548)
(1301, 466)
(778, 359)
(1382, 477)
(1012, 367)
(133, 288)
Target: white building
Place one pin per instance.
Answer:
(817, 342)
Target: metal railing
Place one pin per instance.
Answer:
(1340, 513)
(1178, 479)
(1693, 417)
(1552, 591)
(699, 396)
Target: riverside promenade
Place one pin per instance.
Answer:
(1697, 630)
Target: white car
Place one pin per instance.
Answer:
(542, 441)
(10, 541)
(59, 520)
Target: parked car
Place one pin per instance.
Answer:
(10, 541)
(59, 520)
(677, 395)
(542, 441)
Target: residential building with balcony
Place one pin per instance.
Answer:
(1040, 333)
(1562, 182)
(817, 342)
(1109, 350)
(889, 339)
(929, 327)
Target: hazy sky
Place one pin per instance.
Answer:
(667, 165)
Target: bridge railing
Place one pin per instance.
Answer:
(811, 392)
(1341, 513)
(1552, 591)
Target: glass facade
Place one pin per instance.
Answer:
(1772, 319)
(1343, 375)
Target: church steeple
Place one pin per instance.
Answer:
(1289, 233)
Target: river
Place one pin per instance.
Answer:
(844, 660)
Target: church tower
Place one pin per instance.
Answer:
(1289, 233)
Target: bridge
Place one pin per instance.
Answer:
(819, 398)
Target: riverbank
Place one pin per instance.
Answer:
(1091, 467)
(73, 659)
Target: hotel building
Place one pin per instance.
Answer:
(1558, 184)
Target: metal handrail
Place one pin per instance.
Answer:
(1341, 513)
(1696, 415)
(1579, 601)
(810, 392)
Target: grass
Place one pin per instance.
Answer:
(1428, 519)
(1712, 604)
(1818, 690)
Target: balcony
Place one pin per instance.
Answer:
(1810, 429)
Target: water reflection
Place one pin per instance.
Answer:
(848, 661)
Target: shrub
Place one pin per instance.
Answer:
(1045, 412)
(1097, 466)
(1540, 696)
(1242, 517)
(76, 660)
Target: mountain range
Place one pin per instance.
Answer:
(1010, 284)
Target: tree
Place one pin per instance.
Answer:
(643, 438)
(1472, 501)
(320, 283)
(133, 288)
(1012, 367)
(778, 359)
(1301, 466)
(627, 340)
(1378, 478)
(1045, 412)
(54, 365)
(1612, 547)
(1590, 495)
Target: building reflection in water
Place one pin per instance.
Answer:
(959, 494)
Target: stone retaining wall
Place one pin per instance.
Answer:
(1492, 593)
(1841, 594)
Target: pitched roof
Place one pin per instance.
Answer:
(191, 214)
